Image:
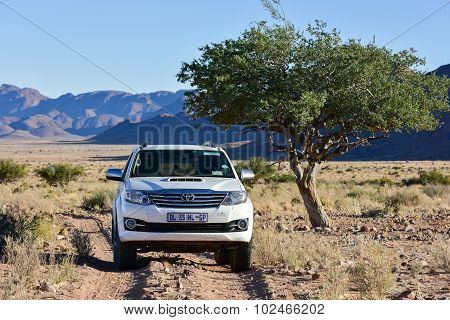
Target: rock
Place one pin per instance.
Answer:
(315, 276)
(280, 227)
(373, 229)
(45, 286)
(327, 229)
(156, 266)
(302, 228)
(179, 284)
(60, 237)
(409, 229)
(364, 229)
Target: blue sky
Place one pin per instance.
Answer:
(144, 42)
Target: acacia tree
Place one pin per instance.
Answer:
(325, 96)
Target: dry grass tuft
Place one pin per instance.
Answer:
(292, 250)
(372, 271)
(336, 283)
(23, 257)
(82, 244)
(440, 254)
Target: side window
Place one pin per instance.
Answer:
(127, 165)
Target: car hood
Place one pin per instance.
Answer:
(159, 184)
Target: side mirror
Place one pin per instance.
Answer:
(247, 174)
(114, 174)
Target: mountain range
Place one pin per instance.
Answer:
(116, 117)
(26, 113)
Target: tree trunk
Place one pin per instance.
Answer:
(307, 186)
(306, 182)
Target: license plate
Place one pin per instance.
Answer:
(187, 217)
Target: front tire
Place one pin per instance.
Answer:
(222, 257)
(241, 257)
(125, 256)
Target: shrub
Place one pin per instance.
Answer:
(435, 191)
(260, 167)
(372, 271)
(100, 199)
(431, 177)
(336, 283)
(47, 228)
(382, 182)
(399, 199)
(23, 256)
(82, 244)
(11, 171)
(60, 173)
(16, 226)
(441, 255)
(280, 178)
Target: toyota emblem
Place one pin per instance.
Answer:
(187, 197)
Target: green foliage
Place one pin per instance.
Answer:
(381, 182)
(260, 167)
(11, 171)
(431, 177)
(99, 200)
(395, 201)
(264, 171)
(305, 83)
(60, 174)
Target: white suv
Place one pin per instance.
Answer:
(181, 198)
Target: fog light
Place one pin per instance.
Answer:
(130, 223)
(242, 224)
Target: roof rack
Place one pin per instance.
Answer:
(144, 144)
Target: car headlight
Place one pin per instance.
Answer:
(137, 197)
(235, 197)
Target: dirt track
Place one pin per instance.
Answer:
(175, 276)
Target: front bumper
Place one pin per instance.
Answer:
(154, 214)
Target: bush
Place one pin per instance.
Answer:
(431, 177)
(100, 199)
(372, 271)
(441, 255)
(60, 173)
(82, 244)
(399, 199)
(16, 226)
(435, 191)
(382, 182)
(260, 167)
(23, 257)
(11, 171)
(280, 178)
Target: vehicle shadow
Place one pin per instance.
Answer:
(255, 284)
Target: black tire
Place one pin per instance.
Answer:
(241, 257)
(222, 257)
(125, 256)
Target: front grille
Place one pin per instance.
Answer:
(200, 200)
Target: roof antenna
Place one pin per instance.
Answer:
(144, 145)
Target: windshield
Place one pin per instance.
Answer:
(185, 163)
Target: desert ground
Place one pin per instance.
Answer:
(389, 239)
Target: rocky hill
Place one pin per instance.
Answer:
(86, 114)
